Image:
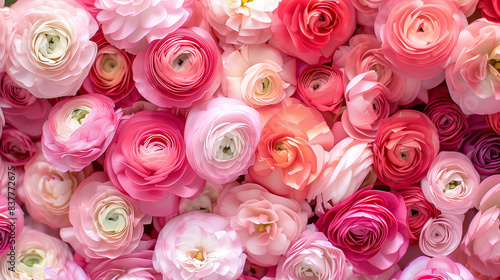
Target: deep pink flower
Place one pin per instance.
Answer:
(16, 146)
(11, 220)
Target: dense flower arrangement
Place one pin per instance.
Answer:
(250, 139)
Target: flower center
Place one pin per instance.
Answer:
(197, 254)
(264, 85)
(452, 185)
(243, 2)
(52, 44)
(262, 227)
(32, 259)
(79, 115)
(227, 147)
(280, 146)
(179, 63)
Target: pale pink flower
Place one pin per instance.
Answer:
(204, 202)
(6, 29)
(137, 265)
(434, 268)
(441, 235)
(70, 271)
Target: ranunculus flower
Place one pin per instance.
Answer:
(312, 30)
(49, 191)
(203, 202)
(11, 220)
(419, 210)
(13, 96)
(493, 120)
(79, 130)
(106, 224)
(366, 106)
(50, 52)
(451, 182)
(16, 146)
(29, 119)
(132, 25)
(6, 29)
(483, 149)
(137, 265)
(291, 155)
(198, 245)
(418, 36)
(472, 76)
(259, 75)
(450, 121)
(366, 11)
(322, 87)
(313, 257)
(405, 147)
(370, 228)
(441, 235)
(346, 166)
(147, 159)
(70, 271)
(267, 224)
(221, 139)
(181, 70)
(240, 22)
(490, 9)
(439, 267)
(34, 251)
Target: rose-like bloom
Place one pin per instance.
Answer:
(70, 271)
(198, 245)
(493, 120)
(203, 202)
(483, 149)
(49, 191)
(418, 36)
(240, 22)
(16, 146)
(313, 257)
(370, 228)
(79, 130)
(13, 96)
(441, 235)
(347, 165)
(259, 75)
(490, 9)
(27, 113)
(111, 72)
(34, 251)
(137, 265)
(11, 221)
(50, 52)
(366, 11)
(106, 224)
(181, 70)
(312, 30)
(450, 121)
(451, 182)
(147, 158)
(322, 87)
(291, 155)
(132, 25)
(366, 106)
(221, 139)
(404, 148)
(6, 29)
(266, 223)
(472, 76)
(439, 267)
(419, 210)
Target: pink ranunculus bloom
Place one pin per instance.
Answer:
(240, 22)
(11, 220)
(451, 182)
(322, 87)
(312, 30)
(366, 11)
(79, 130)
(441, 235)
(16, 146)
(137, 265)
(291, 151)
(13, 96)
(34, 252)
(370, 228)
(468, 7)
(50, 53)
(203, 202)
(147, 159)
(6, 30)
(367, 105)
(221, 139)
(181, 70)
(29, 118)
(132, 25)
(70, 271)
(266, 223)
(198, 245)
(49, 191)
(418, 36)
(490, 9)
(313, 257)
(439, 267)
(259, 75)
(346, 166)
(473, 74)
(105, 223)
(404, 148)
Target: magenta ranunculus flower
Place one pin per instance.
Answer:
(266, 223)
(79, 130)
(181, 70)
(404, 148)
(370, 228)
(198, 245)
(434, 268)
(221, 139)
(147, 159)
(11, 222)
(313, 257)
(50, 53)
(322, 87)
(16, 146)
(106, 223)
(137, 265)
